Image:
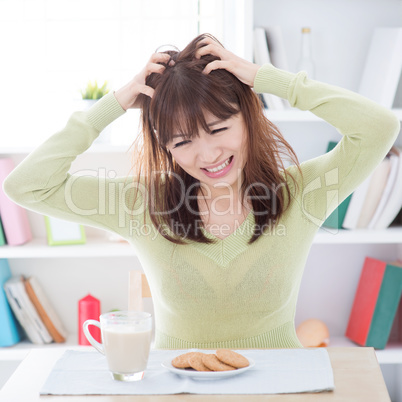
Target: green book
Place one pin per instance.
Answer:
(386, 307)
(2, 237)
(335, 220)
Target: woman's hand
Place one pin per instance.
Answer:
(244, 70)
(127, 95)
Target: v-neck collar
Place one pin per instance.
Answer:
(225, 250)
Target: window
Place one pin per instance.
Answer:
(50, 49)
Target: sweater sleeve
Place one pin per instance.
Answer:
(42, 182)
(368, 132)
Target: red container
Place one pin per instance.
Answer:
(88, 309)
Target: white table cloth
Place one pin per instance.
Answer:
(275, 371)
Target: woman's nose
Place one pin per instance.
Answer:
(208, 151)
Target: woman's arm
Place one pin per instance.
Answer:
(369, 130)
(42, 183)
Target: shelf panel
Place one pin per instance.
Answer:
(391, 235)
(392, 354)
(100, 247)
(94, 247)
(95, 148)
(291, 115)
(299, 116)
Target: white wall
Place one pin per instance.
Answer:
(341, 32)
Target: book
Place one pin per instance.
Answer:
(10, 331)
(389, 186)
(383, 66)
(357, 201)
(2, 237)
(45, 310)
(261, 57)
(25, 311)
(395, 335)
(375, 191)
(375, 304)
(393, 204)
(14, 217)
(276, 47)
(336, 218)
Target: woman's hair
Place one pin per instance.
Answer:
(183, 94)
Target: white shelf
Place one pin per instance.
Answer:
(391, 235)
(95, 247)
(276, 116)
(100, 247)
(392, 354)
(299, 116)
(20, 350)
(95, 149)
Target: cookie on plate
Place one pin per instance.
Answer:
(181, 361)
(214, 364)
(232, 358)
(196, 362)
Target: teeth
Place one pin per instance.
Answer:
(220, 167)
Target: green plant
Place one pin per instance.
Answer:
(93, 91)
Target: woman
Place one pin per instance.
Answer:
(221, 228)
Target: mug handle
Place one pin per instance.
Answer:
(98, 346)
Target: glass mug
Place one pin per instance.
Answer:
(126, 342)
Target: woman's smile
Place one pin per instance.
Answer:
(221, 170)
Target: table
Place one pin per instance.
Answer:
(357, 377)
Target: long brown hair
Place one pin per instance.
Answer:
(183, 94)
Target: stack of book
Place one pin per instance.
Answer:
(375, 318)
(376, 202)
(269, 48)
(24, 305)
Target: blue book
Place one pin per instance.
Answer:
(10, 330)
(2, 237)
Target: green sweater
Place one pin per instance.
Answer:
(228, 294)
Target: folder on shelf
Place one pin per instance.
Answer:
(14, 217)
(45, 310)
(392, 203)
(374, 194)
(10, 331)
(25, 311)
(261, 57)
(375, 304)
(335, 220)
(383, 66)
(2, 237)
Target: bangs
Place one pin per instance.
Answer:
(180, 103)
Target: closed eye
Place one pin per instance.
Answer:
(179, 144)
(218, 130)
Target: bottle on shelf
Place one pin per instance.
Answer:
(306, 62)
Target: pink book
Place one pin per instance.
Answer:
(15, 219)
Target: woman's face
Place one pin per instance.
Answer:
(217, 158)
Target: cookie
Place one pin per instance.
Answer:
(232, 358)
(214, 364)
(181, 361)
(196, 362)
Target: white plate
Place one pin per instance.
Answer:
(205, 375)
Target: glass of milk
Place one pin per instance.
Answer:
(126, 342)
